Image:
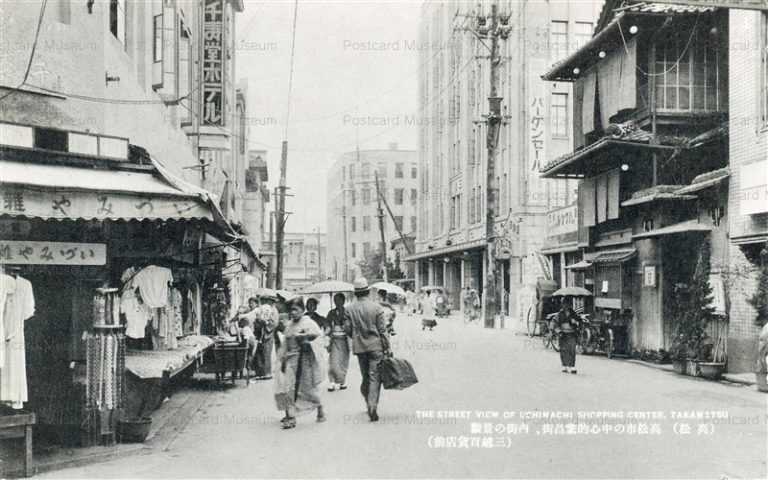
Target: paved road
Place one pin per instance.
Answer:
(471, 370)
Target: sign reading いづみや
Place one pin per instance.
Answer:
(52, 253)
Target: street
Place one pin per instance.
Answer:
(467, 371)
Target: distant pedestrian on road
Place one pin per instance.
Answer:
(428, 317)
(368, 329)
(338, 346)
(269, 318)
(300, 373)
(389, 311)
(566, 322)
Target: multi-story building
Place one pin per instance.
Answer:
(651, 90)
(454, 85)
(748, 183)
(304, 259)
(353, 222)
(255, 199)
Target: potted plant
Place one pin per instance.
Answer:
(693, 352)
(759, 302)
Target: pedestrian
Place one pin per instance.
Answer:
(300, 372)
(428, 313)
(312, 313)
(389, 312)
(268, 317)
(338, 345)
(466, 300)
(566, 323)
(368, 329)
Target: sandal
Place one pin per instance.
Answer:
(288, 422)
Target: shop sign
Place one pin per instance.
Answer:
(52, 253)
(753, 180)
(213, 63)
(649, 275)
(562, 221)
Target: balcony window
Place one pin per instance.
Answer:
(687, 75)
(398, 170)
(366, 196)
(366, 224)
(559, 112)
(398, 223)
(414, 196)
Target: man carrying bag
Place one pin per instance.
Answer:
(367, 326)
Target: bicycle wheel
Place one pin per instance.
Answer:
(555, 342)
(546, 336)
(611, 344)
(531, 320)
(583, 345)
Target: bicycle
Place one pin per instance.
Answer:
(549, 337)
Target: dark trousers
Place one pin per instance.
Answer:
(568, 349)
(371, 384)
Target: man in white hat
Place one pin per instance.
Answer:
(367, 326)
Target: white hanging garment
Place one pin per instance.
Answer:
(19, 306)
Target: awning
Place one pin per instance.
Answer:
(65, 192)
(690, 226)
(582, 265)
(446, 250)
(706, 180)
(657, 193)
(614, 256)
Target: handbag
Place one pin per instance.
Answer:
(396, 373)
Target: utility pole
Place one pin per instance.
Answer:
(493, 32)
(381, 228)
(319, 258)
(280, 217)
(397, 227)
(345, 276)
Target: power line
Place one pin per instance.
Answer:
(32, 53)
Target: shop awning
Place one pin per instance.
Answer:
(657, 193)
(690, 226)
(66, 192)
(614, 256)
(582, 265)
(452, 249)
(706, 180)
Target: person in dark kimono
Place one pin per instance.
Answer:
(338, 345)
(312, 313)
(566, 324)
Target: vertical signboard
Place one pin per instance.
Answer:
(536, 132)
(213, 63)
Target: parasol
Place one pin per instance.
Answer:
(390, 288)
(329, 286)
(572, 292)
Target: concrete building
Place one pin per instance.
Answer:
(453, 88)
(255, 199)
(748, 183)
(304, 259)
(353, 224)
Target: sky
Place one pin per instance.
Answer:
(355, 79)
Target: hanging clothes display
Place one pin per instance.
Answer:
(153, 284)
(19, 306)
(6, 285)
(136, 313)
(176, 305)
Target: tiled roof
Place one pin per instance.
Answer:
(706, 180)
(665, 8)
(659, 192)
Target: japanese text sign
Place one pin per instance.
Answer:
(52, 253)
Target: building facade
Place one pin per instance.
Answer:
(454, 83)
(651, 149)
(304, 259)
(353, 222)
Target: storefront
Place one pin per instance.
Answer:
(111, 254)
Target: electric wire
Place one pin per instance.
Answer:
(32, 53)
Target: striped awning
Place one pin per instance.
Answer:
(66, 192)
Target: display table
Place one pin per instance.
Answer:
(18, 424)
(227, 356)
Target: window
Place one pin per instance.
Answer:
(117, 19)
(352, 171)
(398, 222)
(413, 224)
(366, 170)
(414, 172)
(414, 196)
(558, 40)
(453, 213)
(582, 34)
(353, 197)
(398, 170)
(354, 224)
(690, 84)
(366, 249)
(559, 113)
(366, 196)
(399, 196)
(382, 168)
(157, 44)
(354, 250)
(366, 224)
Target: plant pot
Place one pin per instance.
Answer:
(711, 370)
(761, 382)
(692, 368)
(679, 366)
(134, 430)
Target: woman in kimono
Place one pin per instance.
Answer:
(269, 322)
(300, 370)
(338, 347)
(566, 323)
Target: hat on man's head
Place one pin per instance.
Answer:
(361, 285)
